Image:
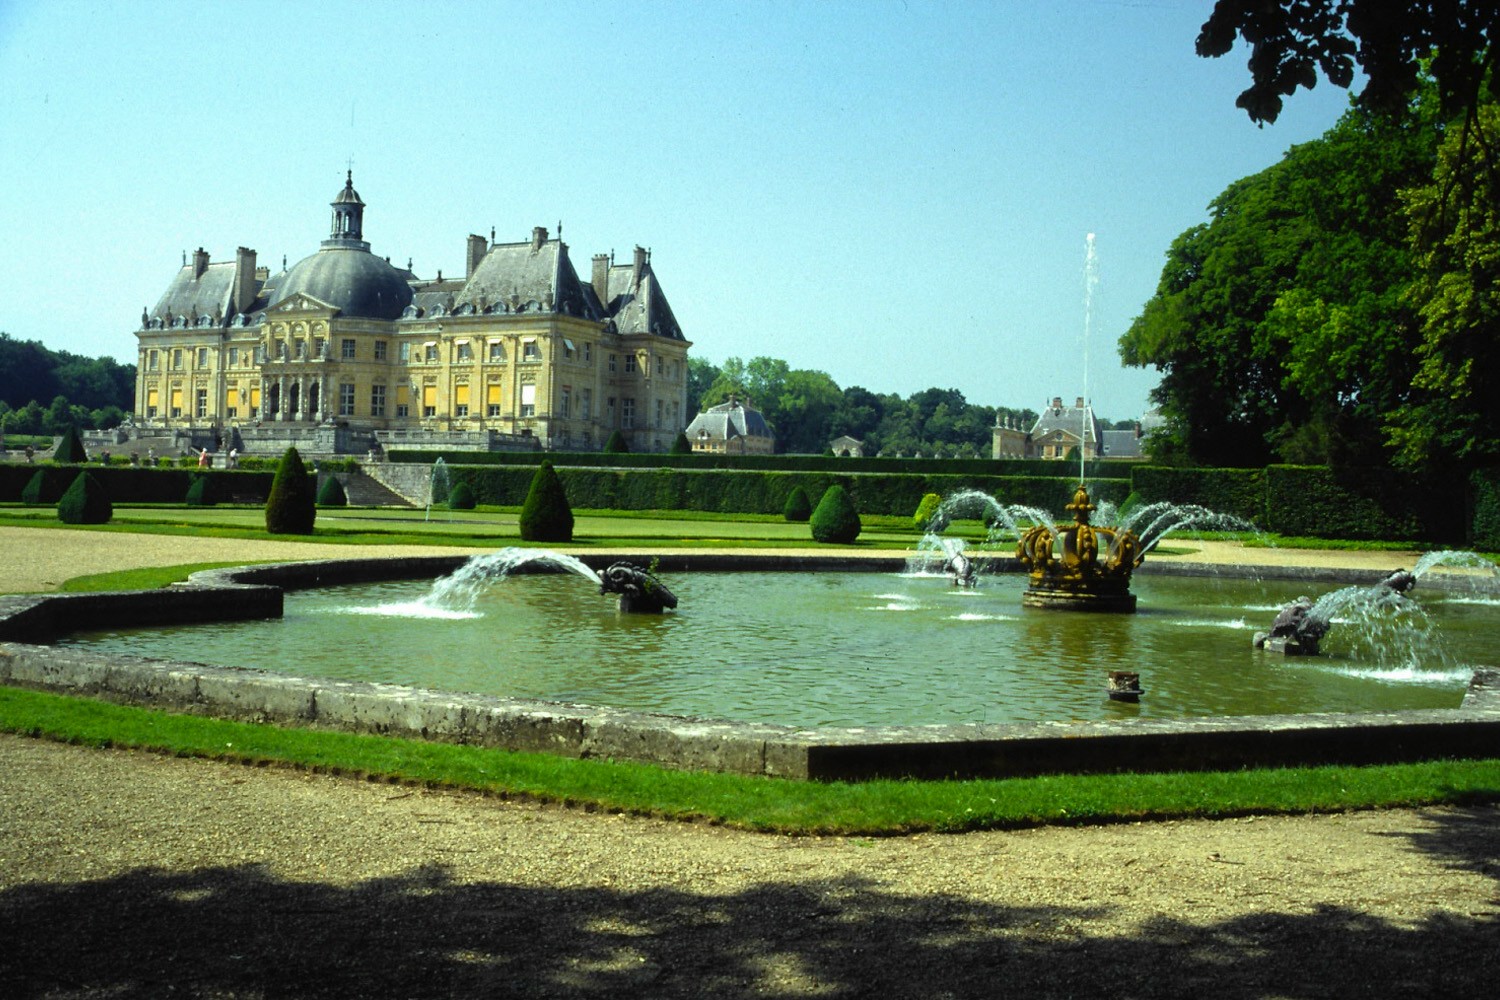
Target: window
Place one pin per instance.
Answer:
(346, 399)
(346, 348)
(200, 403)
(234, 356)
(568, 349)
(176, 357)
(429, 400)
(661, 366)
(254, 401)
(403, 399)
(202, 357)
(660, 411)
(463, 351)
(627, 412)
(492, 399)
(497, 351)
(151, 402)
(528, 400)
(298, 347)
(461, 399)
(585, 403)
(588, 352)
(377, 400)
(404, 353)
(232, 412)
(629, 364)
(176, 410)
(612, 362)
(379, 350)
(530, 351)
(564, 401)
(429, 351)
(318, 349)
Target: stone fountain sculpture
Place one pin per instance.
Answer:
(1079, 567)
(639, 589)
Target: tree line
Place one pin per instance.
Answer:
(83, 392)
(807, 410)
(1343, 305)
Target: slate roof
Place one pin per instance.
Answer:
(730, 420)
(640, 306)
(524, 277)
(1071, 420)
(1121, 444)
(208, 294)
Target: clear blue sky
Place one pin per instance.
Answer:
(896, 192)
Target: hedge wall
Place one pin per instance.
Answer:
(750, 492)
(135, 484)
(1240, 492)
(1485, 525)
(1040, 468)
(1317, 501)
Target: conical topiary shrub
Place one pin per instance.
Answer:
(798, 505)
(616, 445)
(70, 448)
(200, 492)
(461, 497)
(681, 445)
(85, 502)
(291, 508)
(922, 519)
(835, 520)
(34, 493)
(331, 493)
(546, 516)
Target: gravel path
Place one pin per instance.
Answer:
(125, 874)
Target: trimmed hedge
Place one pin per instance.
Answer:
(1484, 531)
(129, 484)
(546, 515)
(85, 502)
(291, 509)
(1039, 468)
(835, 520)
(200, 492)
(746, 492)
(1319, 502)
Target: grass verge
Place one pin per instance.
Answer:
(761, 804)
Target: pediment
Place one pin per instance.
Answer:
(301, 302)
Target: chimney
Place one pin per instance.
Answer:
(245, 275)
(474, 253)
(538, 237)
(638, 266)
(1057, 402)
(200, 262)
(1079, 404)
(601, 277)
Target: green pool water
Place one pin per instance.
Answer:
(813, 649)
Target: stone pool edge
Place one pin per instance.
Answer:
(28, 622)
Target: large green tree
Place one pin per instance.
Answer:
(1282, 327)
(1397, 44)
(1453, 413)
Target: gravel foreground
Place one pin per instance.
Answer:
(126, 874)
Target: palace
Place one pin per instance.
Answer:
(345, 352)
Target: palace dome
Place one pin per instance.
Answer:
(354, 281)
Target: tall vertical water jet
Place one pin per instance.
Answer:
(437, 485)
(1090, 285)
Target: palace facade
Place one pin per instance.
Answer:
(344, 351)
